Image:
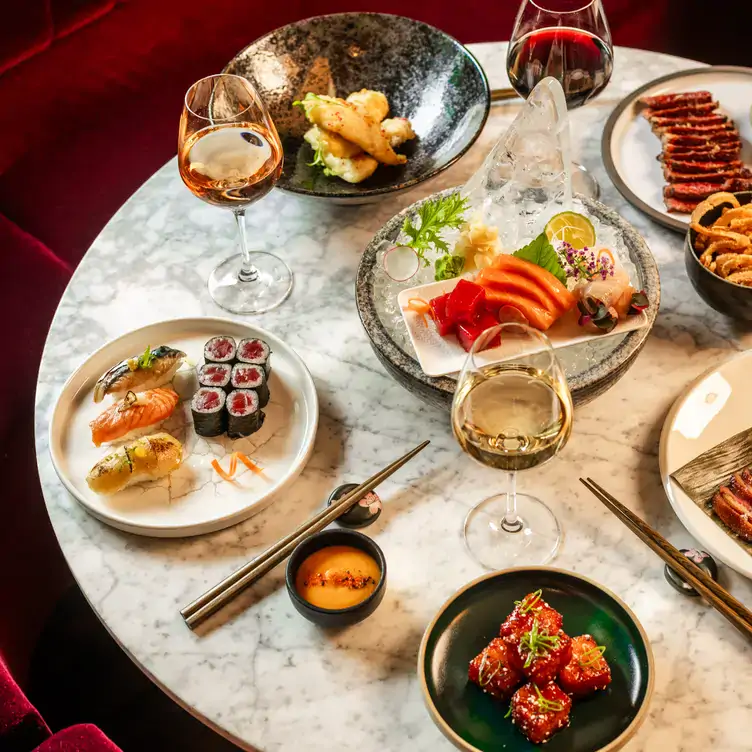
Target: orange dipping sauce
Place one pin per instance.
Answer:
(337, 577)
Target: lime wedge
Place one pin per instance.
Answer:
(572, 228)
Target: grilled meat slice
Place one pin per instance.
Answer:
(715, 119)
(735, 512)
(716, 176)
(699, 191)
(693, 166)
(741, 485)
(709, 153)
(672, 101)
(679, 206)
(695, 130)
(730, 139)
(688, 110)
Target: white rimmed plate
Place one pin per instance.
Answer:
(440, 356)
(193, 499)
(713, 408)
(629, 147)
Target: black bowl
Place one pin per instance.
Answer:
(427, 76)
(726, 297)
(341, 617)
(474, 721)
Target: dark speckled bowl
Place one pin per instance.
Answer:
(726, 297)
(591, 369)
(427, 76)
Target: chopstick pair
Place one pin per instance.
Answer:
(718, 597)
(223, 592)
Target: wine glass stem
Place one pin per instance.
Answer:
(248, 272)
(511, 522)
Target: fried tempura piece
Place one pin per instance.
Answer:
(371, 103)
(398, 130)
(353, 169)
(340, 117)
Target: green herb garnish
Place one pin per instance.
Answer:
(448, 267)
(541, 252)
(592, 656)
(146, 358)
(537, 643)
(547, 705)
(509, 712)
(318, 161)
(435, 215)
(530, 602)
(484, 679)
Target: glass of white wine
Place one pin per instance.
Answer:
(512, 410)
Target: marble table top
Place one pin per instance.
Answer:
(268, 679)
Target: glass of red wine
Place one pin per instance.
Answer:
(569, 40)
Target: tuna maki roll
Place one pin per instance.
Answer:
(245, 414)
(256, 353)
(215, 374)
(245, 376)
(220, 350)
(208, 410)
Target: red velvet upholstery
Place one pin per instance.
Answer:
(69, 15)
(24, 31)
(21, 726)
(81, 738)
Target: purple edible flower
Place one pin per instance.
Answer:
(583, 264)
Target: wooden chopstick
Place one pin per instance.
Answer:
(223, 592)
(501, 95)
(718, 597)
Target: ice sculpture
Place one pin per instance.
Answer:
(526, 178)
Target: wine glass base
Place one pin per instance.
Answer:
(584, 182)
(270, 288)
(535, 542)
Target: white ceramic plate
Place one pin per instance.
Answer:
(630, 148)
(439, 356)
(193, 499)
(713, 408)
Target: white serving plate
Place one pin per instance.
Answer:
(630, 148)
(193, 499)
(440, 356)
(712, 409)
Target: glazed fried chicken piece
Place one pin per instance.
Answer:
(539, 712)
(493, 670)
(587, 669)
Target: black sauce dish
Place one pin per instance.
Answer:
(726, 297)
(342, 617)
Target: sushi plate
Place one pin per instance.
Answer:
(193, 499)
(441, 356)
(629, 147)
(713, 408)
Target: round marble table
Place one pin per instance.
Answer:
(263, 676)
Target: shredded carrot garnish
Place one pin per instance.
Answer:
(606, 252)
(233, 464)
(220, 471)
(421, 307)
(250, 464)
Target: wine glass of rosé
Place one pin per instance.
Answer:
(230, 155)
(569, 40)
(512, 411)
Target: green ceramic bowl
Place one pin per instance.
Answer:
(474, 721)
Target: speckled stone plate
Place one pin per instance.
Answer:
(427, 76)
(474, 721)
(591, 368)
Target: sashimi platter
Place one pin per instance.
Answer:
(184, 427)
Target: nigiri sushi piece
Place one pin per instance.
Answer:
(147, 458)
(153, 368)
(133, 415)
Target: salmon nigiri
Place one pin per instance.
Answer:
(133, 414)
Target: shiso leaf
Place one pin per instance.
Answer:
(541, 252)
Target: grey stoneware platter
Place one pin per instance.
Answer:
(591, 368)
(427, 76)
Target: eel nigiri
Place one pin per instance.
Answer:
(147, 371)
(133, 413)
(147, 458)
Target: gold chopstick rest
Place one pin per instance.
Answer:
(223, 592)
